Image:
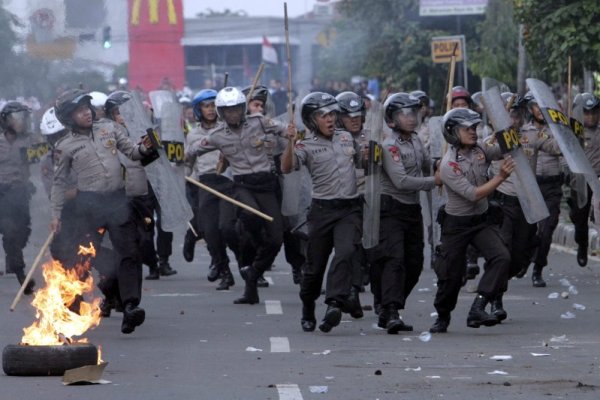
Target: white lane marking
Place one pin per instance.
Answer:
(289, 392)
(176, 295)
(273, 307)
(269, 279)
(280, 345)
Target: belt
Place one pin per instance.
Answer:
(506, 199)
(467, 219)
(389, 203)
(549, 179)
(337, 203)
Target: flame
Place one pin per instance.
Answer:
(55, 323)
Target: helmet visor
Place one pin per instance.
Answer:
(328, 109)
(19, 121)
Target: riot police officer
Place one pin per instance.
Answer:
(15, 187)
(243, 141)
(334, 220)
(214, 217)
(464, 220)
(591, 141)
(397, 261)
(549, 176)
(90, 151)
(351, 119)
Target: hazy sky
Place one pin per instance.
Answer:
(252, 7)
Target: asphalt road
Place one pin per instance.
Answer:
(196, 344)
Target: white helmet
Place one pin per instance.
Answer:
(230, 97)
(50, 124)
(98, 99)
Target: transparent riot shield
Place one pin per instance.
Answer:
(372, 200)
(438, 196)
(167, 183)
(560, 126)
(292, 187)
(529, 194)
(578, 182)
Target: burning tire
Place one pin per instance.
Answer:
(23, 360)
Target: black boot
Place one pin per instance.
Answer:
(213, 273)
(478, 316)
(472, 271)
(582, 256)
(355, 308)
(498, 308)
(105, 308)
(296, 275)
(382, 321)
(133, 316)
(21, 278)
(262, 282)
(250, 295)
(536, 277)
(164, 268)
(189, 245)
(332, 318)
(308, 321)
(153, 274)
(441, 324)
(394, 323)
(226, 279)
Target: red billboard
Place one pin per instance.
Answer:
(155, 50)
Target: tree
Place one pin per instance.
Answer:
(497, 42)
(559, 28)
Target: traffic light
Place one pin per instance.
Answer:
(106, 37)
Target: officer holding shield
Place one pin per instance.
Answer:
(15, 187)
(397, 262)
(465, 221)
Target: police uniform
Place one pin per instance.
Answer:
(334, 220)
(518, 234)
(397, 262)
(101, 201)
(465, 221)
(215, 217)
(548, 172)
(248, 152)
(15, 194)
(581, 216)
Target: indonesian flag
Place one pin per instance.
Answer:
(269, 54)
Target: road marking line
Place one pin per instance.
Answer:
(273, 307)
(280, 345)
(269, 279)
(289, 392)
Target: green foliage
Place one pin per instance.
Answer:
(380, 39)
(496, 44)
(555, 29)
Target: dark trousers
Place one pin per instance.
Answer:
(15, 224)
(517, 233)
(332, 225)
(211, 210)
(164, 239)
(111, 211)
(143, 208)
(267, 237)
(397, 261)
(457, 234)
(580, 217)
(552, 192)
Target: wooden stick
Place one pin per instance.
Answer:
(225, 79)
(511, 101)
(289, 63)
(255, 81)
(569, 90)
(229, 199)
(451, 78)
(36, 262)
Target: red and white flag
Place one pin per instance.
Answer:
(269, 54)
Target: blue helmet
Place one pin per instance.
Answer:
(203, 95)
